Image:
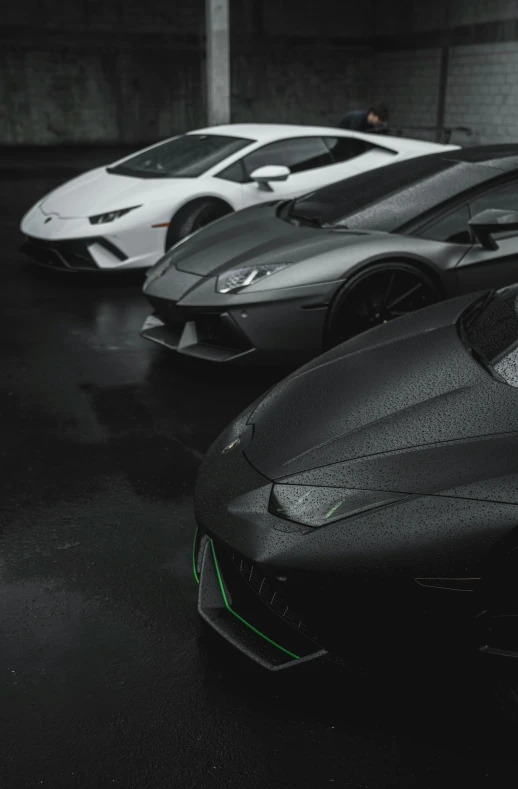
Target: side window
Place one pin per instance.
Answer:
(451, 228)
(344, 148)
(234, 172)
(299, 154)
(504, 197)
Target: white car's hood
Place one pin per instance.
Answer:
(99, 191)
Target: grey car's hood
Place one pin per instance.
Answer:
(252, 237)
(411, 383)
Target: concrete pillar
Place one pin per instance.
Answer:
(218, 61)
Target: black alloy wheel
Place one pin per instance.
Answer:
(194, 216)
(376, 296)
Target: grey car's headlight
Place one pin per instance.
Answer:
(315, 506)
(109, 216)
(243, 277)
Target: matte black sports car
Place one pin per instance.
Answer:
(371, 498)
(285, 280)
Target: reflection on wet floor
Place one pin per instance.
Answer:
(107, 678)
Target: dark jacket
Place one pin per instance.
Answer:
(356, 121)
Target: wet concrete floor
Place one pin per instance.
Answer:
(106, 677)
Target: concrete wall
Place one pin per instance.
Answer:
(132, 72)
(471, 46)
(99, 71)
(301, 85)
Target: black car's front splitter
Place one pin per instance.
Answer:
(217, 607)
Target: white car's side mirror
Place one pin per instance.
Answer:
(270, 172)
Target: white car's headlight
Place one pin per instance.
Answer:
(243, 277)
(109, 216)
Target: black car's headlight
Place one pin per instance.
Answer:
(316, 506)
(110, 216)
(240, 278)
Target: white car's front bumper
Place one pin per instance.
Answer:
(76, 244)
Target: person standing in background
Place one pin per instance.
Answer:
(366, 120)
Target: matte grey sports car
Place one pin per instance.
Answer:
(285, 280)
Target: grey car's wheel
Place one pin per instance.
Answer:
(194, 216)
(377, 295)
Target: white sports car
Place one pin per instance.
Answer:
(128, 214)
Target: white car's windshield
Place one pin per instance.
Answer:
(187, 156)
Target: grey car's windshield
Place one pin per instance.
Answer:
(187, 156)
(332, 205)
(491, 330)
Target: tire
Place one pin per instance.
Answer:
(193, 216)
(376, 295)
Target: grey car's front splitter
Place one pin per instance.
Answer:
(284, 326)
(185, 340)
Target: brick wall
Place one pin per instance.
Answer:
(453, 13)
(481, 92)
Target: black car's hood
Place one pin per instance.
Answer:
(410, 387)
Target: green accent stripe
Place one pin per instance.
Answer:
(227, 606)
(194, 557)
(333, 509)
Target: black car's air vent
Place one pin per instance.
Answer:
(264, 588)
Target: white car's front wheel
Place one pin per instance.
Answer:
(193, 216)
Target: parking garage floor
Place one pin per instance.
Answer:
(106, 677)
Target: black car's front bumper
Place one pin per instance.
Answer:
(281, 625)
(283, 327)
(238, 601)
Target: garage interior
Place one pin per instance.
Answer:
(107, 678)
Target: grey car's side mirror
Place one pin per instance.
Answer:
(494, 220)
(270, 172)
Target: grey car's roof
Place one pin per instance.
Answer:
(390, 197)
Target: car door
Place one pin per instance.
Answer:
(313, 162)
(485, 268)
